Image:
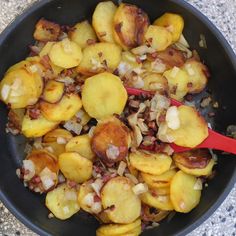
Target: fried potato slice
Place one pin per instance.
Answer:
(82, 33)
(196, 162)
(198, 75)
(158, 181)
(53, 91)
(158, 37)
(46, 30)
(103, 218)
(182, 193)
(153, 216)
(193, 128)
(66, 54)
(62, 202)
(178, 81)
(84, 190)
(38, 127)
(102, 21)
(127, 206)
(75, 167)
(151, 163)
(155, 82)
(130, 25)
(173, 22)
(111, 140)
(43, 159)
(103, 95)
(64, 110)
(82, 145)
(98, 58)
(161, 202)
(118, 229)
(19, 89)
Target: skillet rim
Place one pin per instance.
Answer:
(227, 48)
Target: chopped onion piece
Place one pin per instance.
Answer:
(172, 118)
(5, 91)
(198, 184)
(72, 125)
(121, 168)
(140, 188)
(33, 69)
(91, 131)
(97, 185)
(183, 41)
(112, 152)
(143, 49)
(47, 182)
(202, 42)
(89, 199)
(132, 178)
(158, 66)
(61, 140)
(96, 207)
(123, 68)
(30, 167)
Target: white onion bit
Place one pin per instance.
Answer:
(172, 118)
(140, 188)
(198, 185)
(121, 168)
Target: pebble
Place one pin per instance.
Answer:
(222, 14)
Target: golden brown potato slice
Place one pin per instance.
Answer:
(46, 31)
(193, 128)
(64, 110)
(111, 140)
(158, 37)
(155, 82)
(37, 127)
(130, 25)
(153, 216)
(158, 181)
(197, 162)
(46, 49)
(66, 54)
(53, 91)
(118, 192)
(103, 21)
(98, 58)
(118, 229)
(161, 202)
(151, 163)
(55, 148)
(62, 202)
(43, 159)
(103, 95)
(198, 75)
(82, 33)
(56, 134)
(82, 145)
(184, 196)
(75, 167)
(84, 190)
(178, 81)
(173, 22)
(19, 89)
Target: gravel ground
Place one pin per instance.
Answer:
(222, 14)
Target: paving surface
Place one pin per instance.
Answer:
(222, 14)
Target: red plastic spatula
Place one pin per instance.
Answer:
(214, 139)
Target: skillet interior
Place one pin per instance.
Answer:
(14, 43)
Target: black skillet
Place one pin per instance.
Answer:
(29, 207)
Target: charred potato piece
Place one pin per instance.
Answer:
(192, 125)
(75, 167)
(198, 75)
(62, 202)
(158, 37)
(161, 202)
(197, 162)
(173, 22)
(82, 145)
(98, 58)
(178, 81)
(103, 95)
(103, 21)
(111, 140)
(155, 82)
(118, 229)
(158, 181)
(127, 206)
(184, 196)
(64, 110)
(151, 163)
(66, 54)
(37, 127)
(53, 91)
(130, 25)
(82, 33)
(46, 31)
(19, 89)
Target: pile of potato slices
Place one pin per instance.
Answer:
(93, 147)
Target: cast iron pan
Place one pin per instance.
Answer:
(14, 41)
